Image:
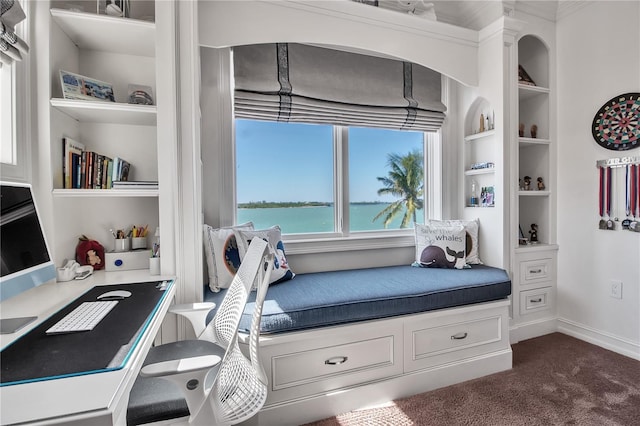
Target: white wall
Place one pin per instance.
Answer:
(598, 58)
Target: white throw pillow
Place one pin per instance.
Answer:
(223, 257)
(439, 246)
(273, 236)
(472, 228)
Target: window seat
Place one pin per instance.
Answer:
(336, 341)
(337, 297)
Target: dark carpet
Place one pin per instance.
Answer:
(556, 380)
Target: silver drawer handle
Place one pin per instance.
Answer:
(459, 336)
(538, 300)
(337, 360)
(536, 271)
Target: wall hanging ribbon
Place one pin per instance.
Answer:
(607, 189)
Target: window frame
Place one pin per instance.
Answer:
(347, 240)
(19, 106)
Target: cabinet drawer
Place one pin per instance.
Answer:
(430, 344)
(535, 271)
(325, 360)
(536, 300)
(322, 363)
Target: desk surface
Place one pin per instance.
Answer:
(102, 396)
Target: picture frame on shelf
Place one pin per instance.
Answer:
(522, 240)
(79, 87)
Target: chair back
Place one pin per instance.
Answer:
(240, 388)
(224, 325)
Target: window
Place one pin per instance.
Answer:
(328, 180)
(7, 147)
(14, 115)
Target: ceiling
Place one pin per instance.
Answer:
(476, 14)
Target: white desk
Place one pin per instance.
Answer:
(93, 399)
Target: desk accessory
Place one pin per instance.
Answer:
(72, 270)
(127, 260)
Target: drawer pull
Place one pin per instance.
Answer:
(337, 360)
(536, 271)
(538, 300)
(459, 336)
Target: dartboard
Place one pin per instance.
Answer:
(616, 125)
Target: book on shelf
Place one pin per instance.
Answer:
(136, 184)
(86, 169)
(71, 147)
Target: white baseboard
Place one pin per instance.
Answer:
(322, 406)
(529, 330)
(606, 340)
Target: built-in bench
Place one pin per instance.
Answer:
(335, 341)
(322, 299)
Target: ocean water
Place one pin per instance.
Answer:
(295, 220)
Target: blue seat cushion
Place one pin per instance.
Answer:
(337, 297)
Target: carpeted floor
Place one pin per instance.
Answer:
(556, 380)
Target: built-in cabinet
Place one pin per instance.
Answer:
(534, 259)
(119, 51)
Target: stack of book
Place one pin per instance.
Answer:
(85, 169)
(136, 184)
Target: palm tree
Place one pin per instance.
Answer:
(403, 181)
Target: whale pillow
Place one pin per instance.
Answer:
(439, 246)
(471, 227)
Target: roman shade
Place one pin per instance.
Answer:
(308, 84)
(11, 46)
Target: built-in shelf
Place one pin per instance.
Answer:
(534, 193)
(102, 193)
(526, 92)
(540, 246)
(533, 141)
(107, 33)
(107, 112)
(488, 170)
(480, 135)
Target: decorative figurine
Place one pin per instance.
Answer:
(541, 186)
(534, 131)
(521, 130)
(533, 234)
(527, 183)
(482, 129)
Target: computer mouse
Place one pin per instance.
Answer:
(114, 295)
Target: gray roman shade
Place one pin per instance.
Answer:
(11, 46)
(307, 84)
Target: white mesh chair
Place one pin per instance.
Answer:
(211, 383)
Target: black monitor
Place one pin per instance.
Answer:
(25, 260)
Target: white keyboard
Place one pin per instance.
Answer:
(83, 318)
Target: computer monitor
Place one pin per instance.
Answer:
(25, 260)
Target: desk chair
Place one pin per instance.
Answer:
(200, 382)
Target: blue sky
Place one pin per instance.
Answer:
(272, 166)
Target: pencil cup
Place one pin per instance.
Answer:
(154, 265)
(121, 244)
(138, 243)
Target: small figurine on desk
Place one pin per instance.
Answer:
(527, 183)
(541, 186)
(533, 239)
(534, 131)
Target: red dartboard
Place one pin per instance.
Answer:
(616, 125)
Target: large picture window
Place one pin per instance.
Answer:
(328, 180)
